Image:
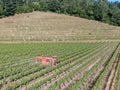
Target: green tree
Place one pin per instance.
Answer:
(114, 14)
(1, 10)
(44, 5)
(73, 7)
(8, 7)
(101, 10)
(54, 5)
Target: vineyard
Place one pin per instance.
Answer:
(82, 66)
(52, 27)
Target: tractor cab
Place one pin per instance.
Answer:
(55, 58)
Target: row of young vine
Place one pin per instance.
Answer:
(82, 66)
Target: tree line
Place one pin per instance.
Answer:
(101, 10)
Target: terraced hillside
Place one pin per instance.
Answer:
(47, 26)
(82, 66)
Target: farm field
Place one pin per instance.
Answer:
(81, 66)
(53, 27)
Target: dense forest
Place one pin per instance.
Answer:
(101, 10)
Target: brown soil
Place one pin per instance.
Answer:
(47, 26)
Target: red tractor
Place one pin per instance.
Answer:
(50, 61)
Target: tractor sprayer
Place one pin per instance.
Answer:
(48, 61)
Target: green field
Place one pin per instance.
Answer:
(82, 66)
